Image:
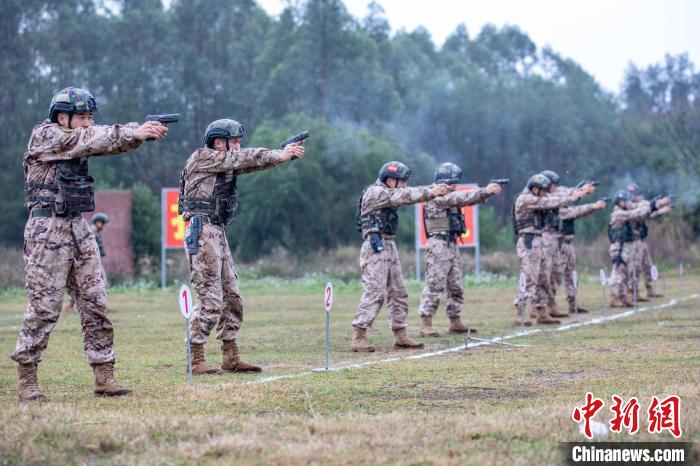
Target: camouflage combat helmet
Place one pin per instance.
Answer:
(71, 100)
(622, 195)
(553, 176)
(224, 128)
(100, 217)
(539, 181)
(449, 173)
(396, 170)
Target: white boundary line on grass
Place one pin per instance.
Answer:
(561, 328)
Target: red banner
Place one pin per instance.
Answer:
(468, 239)
(173, 225)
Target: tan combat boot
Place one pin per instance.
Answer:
(456, 326)
(572, 308)
(359, 341)
(426, 327)
(553, 311)
(615, 301)
(525, 323)
(651, 294)
(199, 366)
(403, 341)
(543, 317)
(105, 384)
(231, 362)
(28, 386)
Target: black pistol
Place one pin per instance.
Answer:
(501, 181)
(298, 138)
(164, 119)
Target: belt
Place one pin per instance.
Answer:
(532, 234)
(440, 236)
(48, 213)
(206, 219)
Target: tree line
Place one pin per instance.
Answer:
(494, 102)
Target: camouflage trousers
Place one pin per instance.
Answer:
(642, 264)
(531, 262)
(564, 270)
(621, 275)
(549, 271)
(213, 276)
(52, 264)
(381, 280)
(443, 273)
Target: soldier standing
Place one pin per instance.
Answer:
(208, 201)
(551, 242)
(444, 224)
(60, 248)
(622, 236)
(566, 260)
(529, 212)
(378, 220)
(642, 258)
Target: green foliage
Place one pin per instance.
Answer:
(493, 235)
(145, 217)
(492, 102)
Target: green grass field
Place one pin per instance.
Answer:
(488, 405)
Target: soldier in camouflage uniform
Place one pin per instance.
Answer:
(622, 237)
(97, 223)
(208, 201)
(444, 224)
(551, 240)
(528, 222)
(60, 249)
(566, 258)
(378, 221)
(642, 258)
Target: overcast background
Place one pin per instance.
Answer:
(603, 36)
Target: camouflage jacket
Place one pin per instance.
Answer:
(527, 205)
(437, 208)
(575, 212)
(379, 196)
(619, 216)
(204, 164)
(50, 144)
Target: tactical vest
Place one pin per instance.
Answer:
(384, 221)
(72, 191)
(642, 229)
(535, 220)
(551, 218)
(623, 234)
(452, 225)
(566, 227)
(220, 208)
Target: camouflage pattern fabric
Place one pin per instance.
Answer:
(621, 275)
(443, 271)
(566, 258)
(381, 271)
(532, 261)
(382, 280)
(51, 143)
(213, 276)
(52, 261)
(203, 165)
(212, 270)
(52, 264)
